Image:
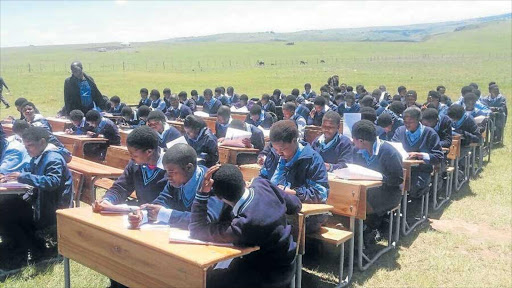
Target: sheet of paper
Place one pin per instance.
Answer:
(119, 209)
(59, 133)
(179, 140)
(145, 225)
(14, 185)
(357, 172)
(348, 121)
(183, 236)
(400, 148)
(201, 114)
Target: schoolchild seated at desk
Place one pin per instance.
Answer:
(144, 100)
(223, 120)
(296, 168)
(232, 98)
(301, 110)
(241, 105)
(80, 126)
(166, 133)
(335, 148)
(421, 143)
(442, 124)
(464, 124)
(18, 104)
(266, 104)
(257, 139)
(350, 105)
(14, 156)
(278, 97)
(257, 218)
(116, 106)
(476, 109)
(201, 139)
(259, 118)
(142, 114)
(497, 103)
(380, 156)
(318, 112)
(194, 96)
(129, 120)
(185, 179)
(177, 110)
(156, 102)
(101, 127)
(31, 222)
(33, 118)
(211, 105)
(190, 103)
(289, 113)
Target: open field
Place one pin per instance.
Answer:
(468, 243)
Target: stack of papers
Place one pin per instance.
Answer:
(234, 137)
(179, 140)
(201, 114)
(15, 186)
(119, 209)
(356, 172)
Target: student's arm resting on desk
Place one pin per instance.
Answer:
(49, 181)
(316, 188)
(122, 187)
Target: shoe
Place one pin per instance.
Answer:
(7, 106)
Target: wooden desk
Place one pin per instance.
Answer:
(124, 135)
(12, 191)
(77, 142)
(239, 116)
(407, 166)
(117, 157)
(91, 172)
(136, 258)
(210, 122)
(7, 129)
(114, 119)
(229, 154)
(59, 124)
(178, 125)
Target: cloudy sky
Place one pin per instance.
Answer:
(57, 22)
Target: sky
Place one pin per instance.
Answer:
(25, 23)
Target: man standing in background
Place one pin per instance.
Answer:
(2, 84)
(80, 91)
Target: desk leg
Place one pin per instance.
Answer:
(67, 279)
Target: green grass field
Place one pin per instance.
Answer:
(467, 244)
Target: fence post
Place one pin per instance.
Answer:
(29, 70)
(163, 64)
(123, 65)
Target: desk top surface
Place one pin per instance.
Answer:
(240, 149)
(80, 137)
(158, 239)
(93, 168)
(55, 119)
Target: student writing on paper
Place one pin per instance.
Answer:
(296, 168)
(211, 105)
(80, 126)
(29, 221)
(259, 118)
(101, 127)
(116, 106)
(335, 148)
(442, 124)
(257, 218)
(201, 139)
(176, 109)
(223, 120)
(289, 113)
(184, 180)
(130, 119)
(379, 156)
(257, 139)
(166, 133)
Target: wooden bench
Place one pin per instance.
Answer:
(230, 155)
(123, 133)
(178, 125)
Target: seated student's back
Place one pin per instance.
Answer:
(464, 124)
(103, 127)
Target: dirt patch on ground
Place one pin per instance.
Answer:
(475, 232)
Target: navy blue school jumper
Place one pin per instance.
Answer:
(211, 107)
(191, 103)
(116, 111)
(206, 146)
(467, 127)
(265, 120)
(317, 119)
(181, 112)
(257, 219)
(342, 109)
(338, 152)
(444, 130)
(302, 110)
(144, 102)
(169, 134)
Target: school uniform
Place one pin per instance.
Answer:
(397, 122)
(269, 107)
(381, 108)
(444, 130)
(177, 201)
(301, 124)
(109, 130)
(158, 104)
(206, 146)
(310, 95)
(387, 161)
(170, 133)
(303, 111)
(342, 109)
(265, 120)
(426, 141)
(305, 173)
(467, 127)
(442, 109)
(146, 181)
(257, 219)
(14, 157)
(200, 100)
(221, 129)
(82, 128)
(337, 152)
(133, 123)
(211, 107)
(40, 121)
(223, 99)
(181, 112)
(144, 102)
(232, 100)
(277, 100)
(191, 103)
(317, 119)
(500, 117)
(116, 110)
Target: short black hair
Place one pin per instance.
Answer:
(166, 91)
(228, 183)
(182, 95)
(193, 93)
(20, 101)
(34, 134)
(364, 130)
(92, 116)
(144, 90)
(143, 111)
(413, 112)
(319, 101)
(222, 89)
(208, 92)
(255, 109)
(396, 98)
(466, 89)
(28, 103)
(244, 97)
(224, 111)
(237, 124)
(289, 106)
(284, 131)
(401, 88)
(429, 114)
(180, 154)
(368, 113)
(157, 115)
(295, 92)
(376, 93)
(19, 126)
(115, 99)
(218, 90)
(412, 93)
(492, 83)
(478, 93)
(194, 122)
(127, 111)
(307, 85)
(277, 92)
(143, 138)
(155, 92)
(290, 98)
(440, 87)
(350, 88)
(366, 101)
(455, 111)
(434, 94)
(397, 107)
(384, 120)
(265, 97)
(333, 117)
(474, 85)
(76, 115)
(470, 96)
(230, 88)
(350, 95)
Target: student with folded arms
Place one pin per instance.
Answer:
(257, 218)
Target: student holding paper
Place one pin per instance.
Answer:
(257, 139)
(257, 218)
(156, 120)
(335, 148)
(223, 120)
(201, 139)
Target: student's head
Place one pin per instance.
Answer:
(77, 70)
(412, 118)
(228, 184)
(470, 101)
(182, 96)
(243, 100)
(327, 97)
(466, 89)
(288, 110)
(397, 107)
(180, 162)
(277, 93)
(283, 136)
(319, 103)
(382, 88)
(295, 92)
(491, 83)
(114, 101)
(35, 140)
(441, 89)
(174, 101)
(402, 91)
(76, 117)
(339, 98)
(473, 85)
(144, 93)
(127, 113)
(376, 94)
(223, 115)
(350, 89)
(350, 99)
(237, 124)
(410, 98)
(429, 117)
(93, 118)
(478, 93)
(455, 112)
(156, 121)
(143, 112)
(19, 102)
(154, 95)
(265, 98)
(494, 90)
(218, 92)
(29, 110)
(230, 90)
(19, 126)
(193, 126)
(360, 89)
(194, 94)
(444, 99)
(166, 92)
(434, 97)
(364, 135)
(208, 94)
(307, 87)
(142, 144)
(368, 113)
(366, 101)
(385, 121)
(222, 90)
(255, 112)
(330, 124)
(290, 98)
(343, 87)
(396, 98)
